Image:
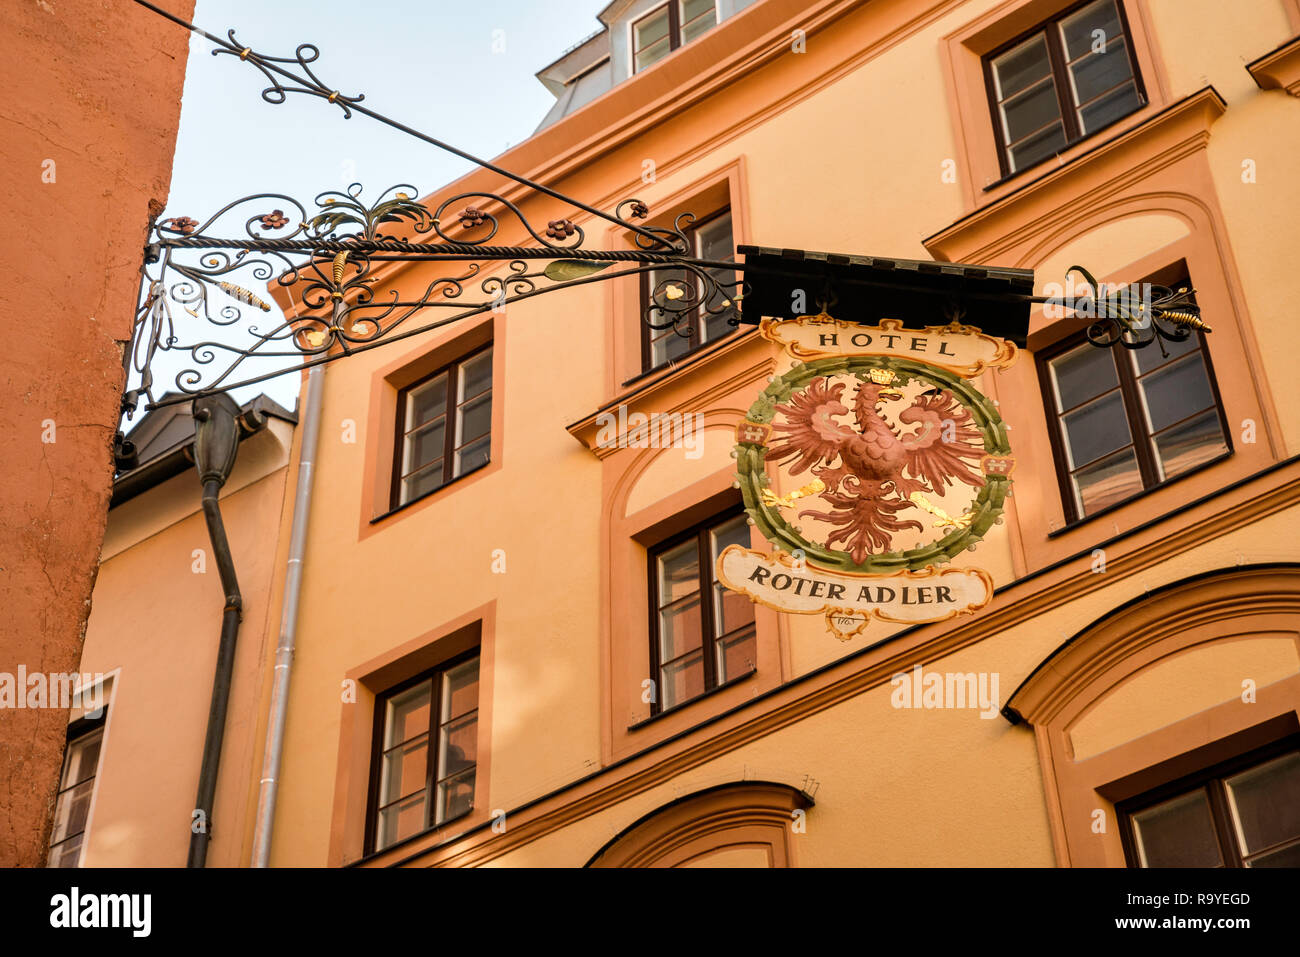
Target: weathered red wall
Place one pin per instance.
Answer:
(95, 87)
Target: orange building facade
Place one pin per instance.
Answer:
(511, 646)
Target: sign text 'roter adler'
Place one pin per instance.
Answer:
(868, 465)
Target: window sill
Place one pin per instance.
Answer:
(370, 855)
(674, 365)
(420, 498)
(677, 708)
(1111, 509)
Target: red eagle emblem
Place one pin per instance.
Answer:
(870, 473)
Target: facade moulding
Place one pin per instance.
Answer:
(1056, 200)
(1274, 490)
(654, 100)
(1279, 69)
(1234, 611)
(746, 813)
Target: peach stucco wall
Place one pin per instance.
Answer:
(839, 148)
(154, 628)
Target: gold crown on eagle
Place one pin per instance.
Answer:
(881, 376)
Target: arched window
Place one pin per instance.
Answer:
(744, 824)
(1192, 688)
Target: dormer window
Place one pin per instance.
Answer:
(664, 29)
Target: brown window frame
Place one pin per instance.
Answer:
(674, 30)
(693, 340)
(1061, 82)
(1148, 470)
(79, 730)
(708, 579)
(449, 438)
(431, 772)
(1212, 780)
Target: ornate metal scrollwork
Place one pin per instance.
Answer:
(1138, 314)
(327, 258)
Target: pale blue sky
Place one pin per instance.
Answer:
(431, 65)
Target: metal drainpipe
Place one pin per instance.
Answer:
(278, 710)
(216, 441)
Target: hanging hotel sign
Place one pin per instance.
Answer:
(894, 465)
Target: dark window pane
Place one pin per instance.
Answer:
(424, 446)
(1081, 374)
(1030, 111)
(668, 346)
(715, 238)
(1021, 66)
(679, 572)
(407, 714)
(475, 375)
(458, 745)
(459, 690)
(1109, 108)
(426, 402)
(1103, 483)
(1095, 429)
(1265, 803)
(696, 16)
(734, 531)
(421, 482)
(72, 809)
(1175, 392)
(682, 680)
(736, 655)
(475, 419)
(68, 854)
(1150, 357)
(82, 758)
(1177, 833)
(650, 39)
(455, 796)
(679, 628)
(1190, 444)
(1077, 30)
(1098, 73)
(400, 821)
(473, 456)
(405, 770)
(731, 610)
(1037, 147)
(1288, 856)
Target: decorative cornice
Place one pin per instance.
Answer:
(1149, 620)
(1280, 69)
(659, 391)
(669, 828)
(990, 232)
(849, 677)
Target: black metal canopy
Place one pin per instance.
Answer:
(867, 289)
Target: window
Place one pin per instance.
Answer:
(76, 789)
(426, 752)
(710, 239)
(430, 452)
(1127, 420)
(1062, 83)
(701, 634)
(1243, 814)
(666, 28)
